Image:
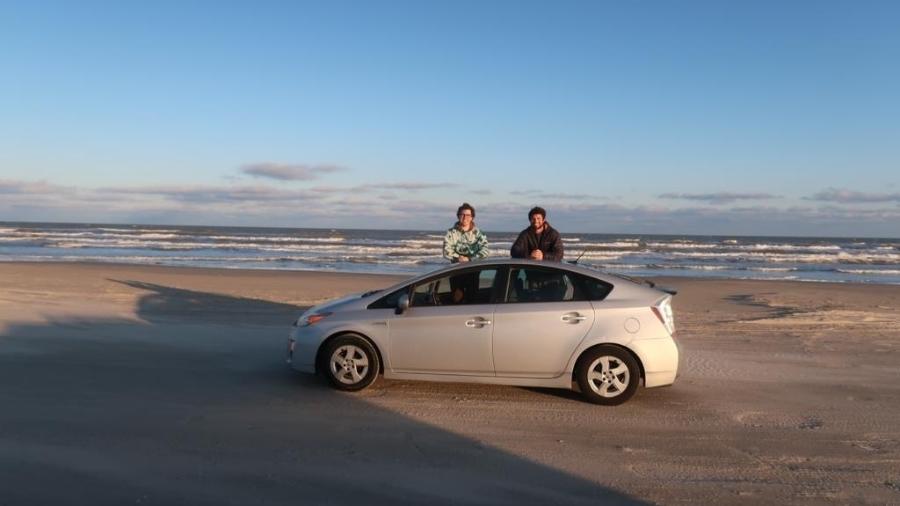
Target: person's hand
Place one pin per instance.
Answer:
(537, 255)
(463, 259)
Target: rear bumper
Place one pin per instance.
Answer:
(660, 358)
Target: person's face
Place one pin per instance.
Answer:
(537, 221)
(465, 218)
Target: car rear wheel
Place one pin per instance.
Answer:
(350, 363)
(607, 375)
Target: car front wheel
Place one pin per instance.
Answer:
(607, 375)
(350, 363)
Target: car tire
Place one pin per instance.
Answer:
(607, 375)
(350, 363)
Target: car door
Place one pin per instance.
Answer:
(448, 326)
(540, 324)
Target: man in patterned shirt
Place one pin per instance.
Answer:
(464, 241)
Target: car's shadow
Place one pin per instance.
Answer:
(167, 304)
(194, 404)
(556, 392)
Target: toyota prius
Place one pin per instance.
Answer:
(497, 321)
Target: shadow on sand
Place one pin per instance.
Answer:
(167, 304)
(195, 406)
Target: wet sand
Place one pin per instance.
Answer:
(155, 385)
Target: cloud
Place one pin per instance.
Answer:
(380, 187)
(745, 220)
(567, 196)
(541, 195)
(404, 186)
(853, 197)
(212, 194)
(329, 189)
(262, 205)
(11, 187)
(289, 172)
(718, 198)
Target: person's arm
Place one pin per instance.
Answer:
(520, 247)
(450, 246)
(480, 248)
(555, 252)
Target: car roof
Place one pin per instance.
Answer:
(612, 279)
(524, 261)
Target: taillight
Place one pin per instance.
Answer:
(658, 314)
(663, 311)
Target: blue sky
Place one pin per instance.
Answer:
(631, 116)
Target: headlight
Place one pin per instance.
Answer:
(310, 319)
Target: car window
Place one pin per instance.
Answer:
(593, 289)
(458, 288)
(390, 300)
(535, 284)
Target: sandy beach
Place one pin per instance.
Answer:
(158, 385)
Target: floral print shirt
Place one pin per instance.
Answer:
(472, 244)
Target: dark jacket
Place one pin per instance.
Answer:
(548, 242)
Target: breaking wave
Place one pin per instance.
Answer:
(809, 259)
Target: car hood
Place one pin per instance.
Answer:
(338, 304)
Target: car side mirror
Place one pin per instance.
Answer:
(402, 304)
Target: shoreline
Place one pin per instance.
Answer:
(90, 263)
(118, 288)
(400, 276)
(405, 253)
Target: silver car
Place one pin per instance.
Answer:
(504, 321)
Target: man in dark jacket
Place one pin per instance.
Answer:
(540, 241)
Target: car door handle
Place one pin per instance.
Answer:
(573, 318)
(477, 323)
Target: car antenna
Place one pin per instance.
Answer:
(575, 262)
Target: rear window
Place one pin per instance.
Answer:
(592, 289)
(541, 284)
(534, 284)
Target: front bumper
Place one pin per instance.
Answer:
(301, 350)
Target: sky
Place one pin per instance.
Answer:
(726, 118)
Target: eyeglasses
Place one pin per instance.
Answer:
(464, 215)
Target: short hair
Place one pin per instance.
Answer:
(463, 207)
(537, 210)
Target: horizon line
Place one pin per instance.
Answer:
(2, 222)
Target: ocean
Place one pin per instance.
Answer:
(862, 260)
